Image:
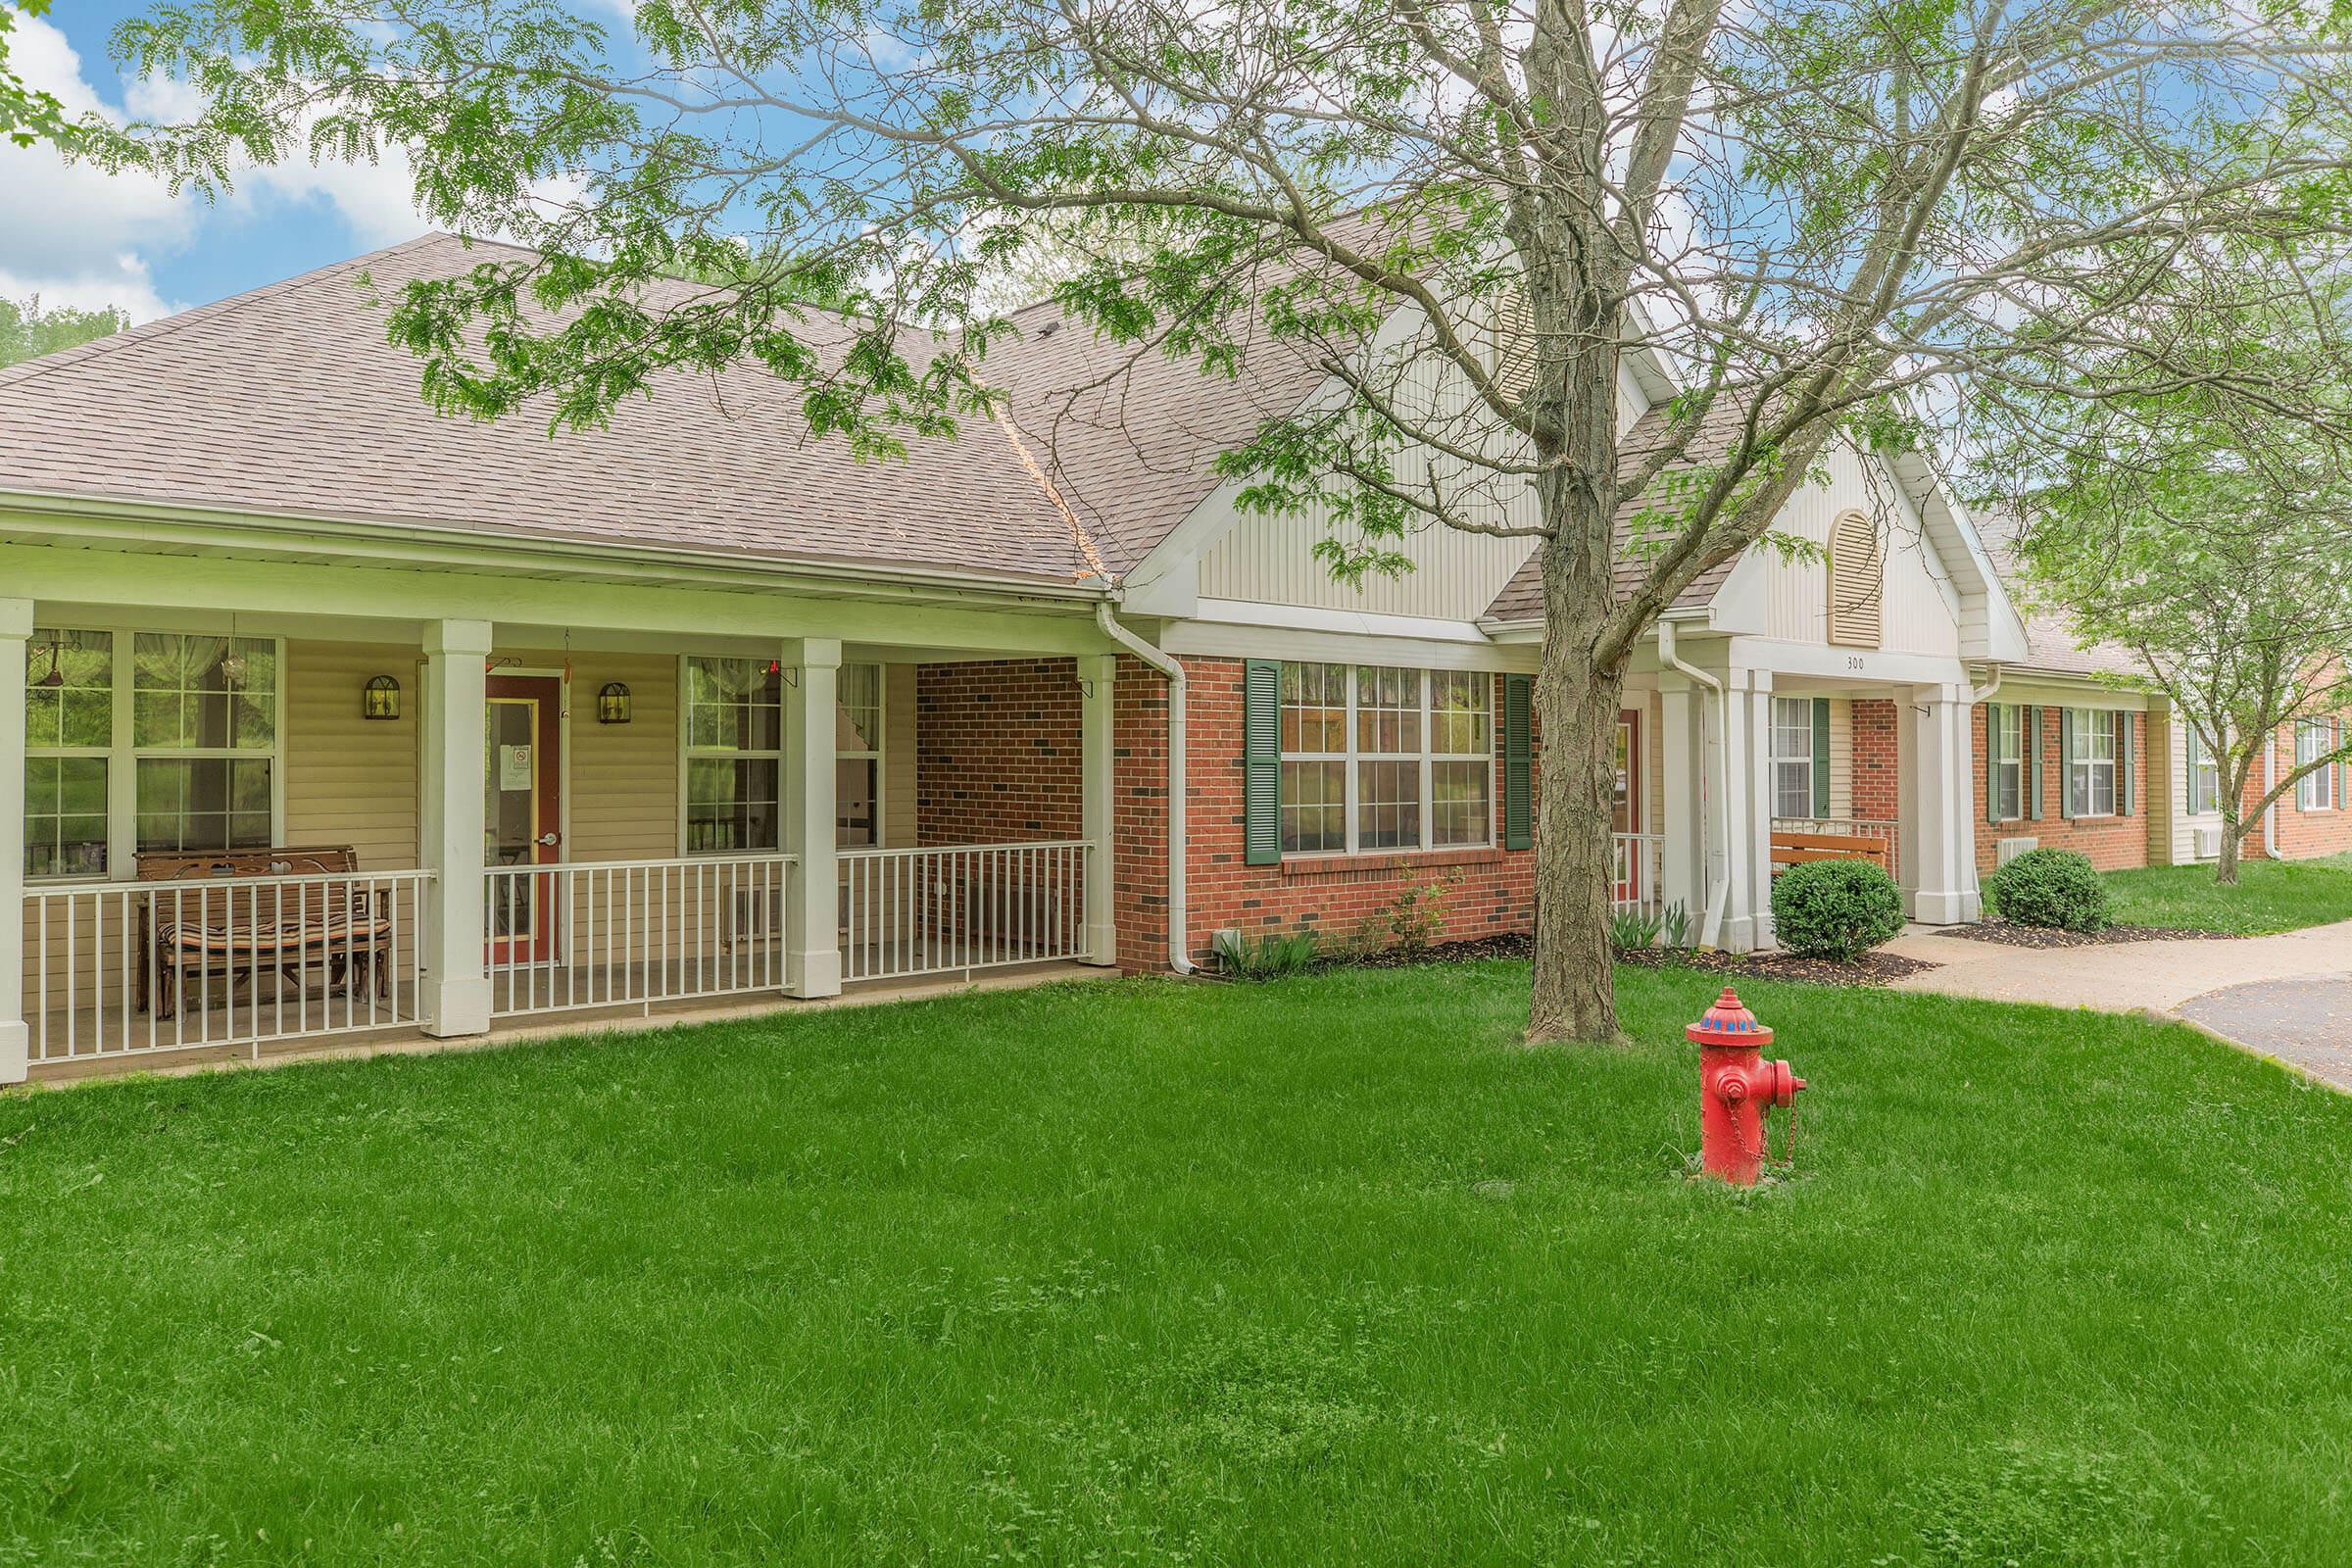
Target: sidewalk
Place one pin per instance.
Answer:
(2283, 995)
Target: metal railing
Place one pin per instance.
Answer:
(633, 933)
(962, 907)
(1637, 877)
(135, 968)
(1849, 828)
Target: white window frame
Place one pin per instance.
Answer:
(780, 755)
(2202, 773)
(2006, 743)
(2315, 791)
(1785, 767)
(1427, 758)
(2087, 726)
(123, 757)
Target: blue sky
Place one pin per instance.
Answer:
(75, 235)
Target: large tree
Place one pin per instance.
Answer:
(1469, 215)
(2205, 523)
(28, 329)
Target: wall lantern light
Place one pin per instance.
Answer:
(381, 699)
(612, 705)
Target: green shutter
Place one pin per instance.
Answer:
(1518, 765)
(2066, 763)
(1821, 756)
(1261, 762)
(2122, 764)
(2033, 759)
(2336, 734)
(1993, 761)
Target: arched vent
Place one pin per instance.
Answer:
(1514, 345)
(1858, 581)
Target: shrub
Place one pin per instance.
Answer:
(1417, 917)
(1676, 926)
(2050, 888)
(1630, 930)
(1270, 957)
(1834, 909)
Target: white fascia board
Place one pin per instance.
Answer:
(2058, 689)
(1348, 622)
(1859, 665)
(1325, 646)
(1991, 627)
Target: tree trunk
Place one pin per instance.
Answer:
(2225, 868)
(1575, 989)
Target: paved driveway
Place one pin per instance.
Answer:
(2287, 996)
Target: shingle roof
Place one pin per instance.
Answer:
(289, 400)
(1522, 597)
(2049, 646)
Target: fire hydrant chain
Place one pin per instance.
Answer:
(1737, 1087)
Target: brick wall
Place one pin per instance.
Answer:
(1874, 767)
(2300, 834)
(2112, 843)
(997, 752)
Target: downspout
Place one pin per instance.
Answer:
(1172, 670)
(1719, 887)
(1976, 696)
(2270, 782)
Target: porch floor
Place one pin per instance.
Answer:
(619, 1017)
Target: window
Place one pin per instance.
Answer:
(69, 731)
(2090, 762)
(2007, 774)
(1793, 757)
(1376, 757)
(735, 756)
(2315, 791)
(2204, 776)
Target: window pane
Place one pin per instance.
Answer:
(2102, 789)
(1388, 806)
(1388, 710)
(1792, 727)
(1458, 803)
(733, 705)
(730, 803)
(185, 694)
(1314, 708)
(1459, 701)
(1792, 788)
(79, 709)
(1314, 807)
(854, 802)
(858, 689)
(202, 803)
(65, 817)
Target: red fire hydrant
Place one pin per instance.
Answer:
(1734, 1086)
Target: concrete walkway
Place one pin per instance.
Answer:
(2287, 996)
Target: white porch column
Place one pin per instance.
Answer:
(1935, 771)
(1748, 797)
(812, 955)
(1098, 684)
(1682, 746)
(16, 1038)
(457, 992)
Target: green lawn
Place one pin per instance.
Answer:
(2271, 895)
(1322, 1272)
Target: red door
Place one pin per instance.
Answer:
(524, 813)
(1625, 809)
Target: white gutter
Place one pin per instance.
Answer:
(1978, 695)
(1719, 887)
(2270, 782)
(1179, 944)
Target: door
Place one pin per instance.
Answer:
(1625, 806)
(524, 813)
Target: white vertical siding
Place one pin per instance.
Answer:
(1919, 610)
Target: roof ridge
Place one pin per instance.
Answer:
(164, 326)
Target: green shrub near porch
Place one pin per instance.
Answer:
(2051, 888)
(1836, 910)
(1324, 1271)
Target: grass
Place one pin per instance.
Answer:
(2271, 895)
(1320, 1272)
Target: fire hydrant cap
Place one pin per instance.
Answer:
(1729, 1023)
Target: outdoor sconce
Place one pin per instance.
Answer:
(612, 705)
(381, 699)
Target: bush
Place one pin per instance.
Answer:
(2050, 888)
(1630, 931)
(1272, 956)
(1834, 909)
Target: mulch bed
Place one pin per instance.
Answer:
(2034, 936)
(1871, 969)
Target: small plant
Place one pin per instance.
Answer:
(1418, 914)
(1271, 957)
(2050, 888)
(1836, 908)
(1676, 927)
(1631, 930)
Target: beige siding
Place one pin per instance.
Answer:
(898, 757)
(1271, 560)
(624, 777)
(348, 779)
(1841, 757)
(1916, 613)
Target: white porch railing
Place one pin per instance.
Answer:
(1849, 828)
(131, 968)
(960, 908)
(633, 933)
(1637, 876)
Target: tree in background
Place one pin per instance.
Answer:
(2204, 521)
(27, 115)
(1467, 217)
(26, 329)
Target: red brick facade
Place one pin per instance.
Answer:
(1873, 775)
(996, 752)
(2299, 834)
(2111, 843)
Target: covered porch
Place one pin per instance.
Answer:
(274, 804)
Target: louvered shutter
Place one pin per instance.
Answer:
(1261, 761)
(2034, 758)
(1993, 761)
(1856, 581)
(1514, 345)
(2066, 764)
(1518, 764)
(1821, 756)
(2122, 764)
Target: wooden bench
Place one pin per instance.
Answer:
(291, 929)
(1798, 849)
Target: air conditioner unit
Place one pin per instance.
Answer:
(759, 914)
(2008, 850)
(2205, 843)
